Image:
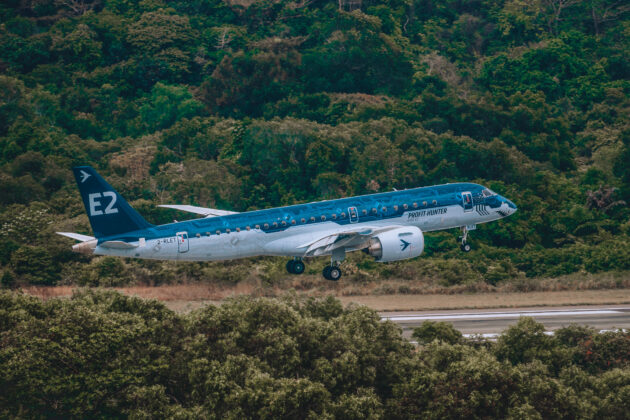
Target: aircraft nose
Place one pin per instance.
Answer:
(511, 205)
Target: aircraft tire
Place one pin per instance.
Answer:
(334, 273)
(326, 272)
(291, 266)
(466, 247)
(298, 267)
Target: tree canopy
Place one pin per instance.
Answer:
(102, 354)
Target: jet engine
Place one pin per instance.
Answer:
(396, 244)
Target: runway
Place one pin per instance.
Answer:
(492, 322)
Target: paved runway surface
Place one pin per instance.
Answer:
(491, 322)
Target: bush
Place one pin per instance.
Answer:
(34, 264)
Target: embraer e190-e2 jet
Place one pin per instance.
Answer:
(388, 226)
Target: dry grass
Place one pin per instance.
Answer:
(184, 298)
(491, 300)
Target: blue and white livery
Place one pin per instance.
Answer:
(388, 226)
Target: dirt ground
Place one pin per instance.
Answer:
(186, 298)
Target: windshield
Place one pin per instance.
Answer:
(488, 193)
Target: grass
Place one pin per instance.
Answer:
(577, 289)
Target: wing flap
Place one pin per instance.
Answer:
(354, 238)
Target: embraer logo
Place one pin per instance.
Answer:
(84, 176)
(404, 245)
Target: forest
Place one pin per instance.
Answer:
(101, 354)
(248, 104)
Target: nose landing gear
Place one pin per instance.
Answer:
(465, 246)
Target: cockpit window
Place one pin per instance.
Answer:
(488, 193)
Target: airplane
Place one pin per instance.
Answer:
(387, 226)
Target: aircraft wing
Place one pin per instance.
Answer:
(76, 236)
(198, 210)
(352, 238)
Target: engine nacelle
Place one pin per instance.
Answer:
(397, 244)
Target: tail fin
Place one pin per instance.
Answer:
(108, 212)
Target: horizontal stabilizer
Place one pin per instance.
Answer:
(117, 245)
(76, 236)
(198, 210)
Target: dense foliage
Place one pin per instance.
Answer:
(245, 104)
(101, 354)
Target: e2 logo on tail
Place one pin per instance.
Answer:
(94, 201)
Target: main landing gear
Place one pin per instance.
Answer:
(295, 266)
(465, 246)
(332, 272)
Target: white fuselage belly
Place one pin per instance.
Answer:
(290, 241)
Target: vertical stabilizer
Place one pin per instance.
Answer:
(108, 212)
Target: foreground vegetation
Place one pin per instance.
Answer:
(248, 104)
(101, 354)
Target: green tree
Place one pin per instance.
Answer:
(430, 331)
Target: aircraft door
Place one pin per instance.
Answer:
(353, 213)
(467, 201)
(182, 242)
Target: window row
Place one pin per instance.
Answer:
(312, 219)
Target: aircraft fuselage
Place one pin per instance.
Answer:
(286, 231)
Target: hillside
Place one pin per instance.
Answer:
(247, 104)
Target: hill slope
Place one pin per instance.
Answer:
(250, 104)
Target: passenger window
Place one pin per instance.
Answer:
(405, 206)
(198, 235)
(266, 225)
(374, 210)
(248, 228)
(284, 223)
(312, 218)
(415, 205)
(323, 217)
(334, 217)
(434, 202)
(293, 221)
(275, 224)
(257, 226)
(207, 233)
(343, 215)
(227, 231)
(218, 232)
(364, 211)
(395, 208)
(384, 209)
(303, 220)
(238, 229)
(424, 203)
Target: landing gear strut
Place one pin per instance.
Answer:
(332, 272)
(465, 246)
(295, 266)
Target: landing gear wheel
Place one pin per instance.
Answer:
(466, 247)
(295, 266)
(332, 273)
(298, 267)
(290, 266)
